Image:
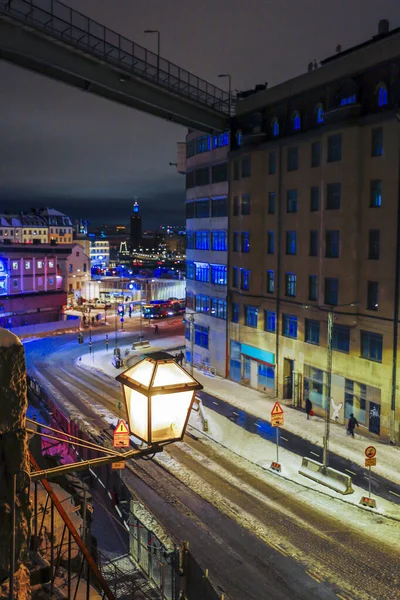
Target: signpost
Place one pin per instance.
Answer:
(370, 461)
(121, 435)
(277, 421)
(118, 465)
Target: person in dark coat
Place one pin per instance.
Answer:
(351, 425)
(181, 357)
(308, 407)
(156, 329)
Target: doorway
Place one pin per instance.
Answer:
(288, 367)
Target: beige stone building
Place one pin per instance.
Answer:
(314, 227)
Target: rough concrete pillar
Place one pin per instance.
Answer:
(13, 449)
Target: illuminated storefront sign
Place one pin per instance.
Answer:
(3, 277)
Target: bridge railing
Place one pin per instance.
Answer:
(63, 23)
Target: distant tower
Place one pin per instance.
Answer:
(136, 227)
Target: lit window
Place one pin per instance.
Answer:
(290, 285)
(376, 193)
(39, 264)
(27, 264)
(320, 113)
(296, 121)
(348, 100)
(51, 264)
(382, 95)
(270, 282)
(269, 321)
(275, 127)
(251, 316)
(289, 326)
(15, 265)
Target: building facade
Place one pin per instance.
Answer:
(314, 230)
(59, 226)
(78, 270)
(135, 236)
(206, 249)
(100, 253)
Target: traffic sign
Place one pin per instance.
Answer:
(370, 462)
(277, 420)
(370, 452)
(118, 465)
(121, 435)
(277, 409)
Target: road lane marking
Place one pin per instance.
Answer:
(352, 473)
(216, 403)
(282, 438)
(235, 413)
(315, 575)
(394, 493)
(315, 454)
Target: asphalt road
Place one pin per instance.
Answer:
(315, 556)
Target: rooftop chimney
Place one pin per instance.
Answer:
(383, 27)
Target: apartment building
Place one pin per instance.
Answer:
(78, 270)
(314, 227)
(100, 253)
(206, 249)
(59, 226)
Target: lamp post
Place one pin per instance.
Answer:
(191, 330)
(158, 47)
(228, 76)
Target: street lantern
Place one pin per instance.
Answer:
(158, 396)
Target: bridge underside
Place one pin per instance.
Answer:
(43, 54)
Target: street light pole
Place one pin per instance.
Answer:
(191, 328)
(325, 458)
(228, 76)
(158, 48)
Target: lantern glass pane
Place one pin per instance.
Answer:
(141, 373)
(137, 413)
(170, 374)
(168, 415)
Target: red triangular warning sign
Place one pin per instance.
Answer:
(121, 427)
(277, 409)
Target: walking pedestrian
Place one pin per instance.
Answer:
(156, 329)
(308, 407)
(351, 425)
(181, 357)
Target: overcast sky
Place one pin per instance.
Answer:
(89, 157)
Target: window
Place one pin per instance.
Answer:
(245, 242)
(333, 194)
(235, 313)
(70, 268)
(296, 121)
(250, 316)
(236, 170)
(269, 321)
(202, 209)
(314, 243)
(15, 265)
(355, 399)
(335, 147)
(15, 283)
(218, 308)
(236, 206)
(190, 240)
(218, 274)
(275, 127)
(219, 240)
(291, 242)
(371, 346)
(314, 198)
(376, 193)
(202, 176)
(84, 267)
(271, 203)
(291, 198)
(311, 335)
(28, 264)
(246, 166)
(220, 140)
(373, 244)
(320, 113)
(382, 95)
(51, 280)
(235, 277)
(235, 241)
(289, 326)
(245, 205)
(341, 338)
(348, 100)
(202, 240)
(270, 282)
(202, 303)
(190, 270)
(270, 242)
(219, 173)
(331, 291)
(315, 154)
(377, 142)
(203, 144)
(190, 149)
(290, 285)
(219, 207)
(293, 159)
(202, 272)
(332, 243)
(244, 279)
(372, 295)
(190, 210)
(271, 163)
(201, 336)
(313, 287)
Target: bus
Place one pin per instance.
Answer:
(159, 309)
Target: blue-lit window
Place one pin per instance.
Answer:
(219, 240)
(187, 331)
(331, 291)
(296, 121)
(201, 336)
(270, 282)
(244, 279)
(250, 315)
(376, 193)
(70, 268)
(371, 346)
(311, 332)
(239, 137)
(218, 308)
(341, 338)
(202, 240)
(275, 127)
(189, 240)
(348, 100)
(332, 243)
(289, 326)
(312, 287)
(271, 203)
(190, 300)
(291, 201)
(202, 303)
(382, 95)
(221, 140)
(203, 144)
(190, 270)
(290, 285)
(377, 142)
(202, 209)
(271, 163)
(291, 240)
(235, 277)
(245, 242)
(335, 147)
(235, 313)
(202, 272)
(270, 242)
(269, 321)
(218, 274)
(245, 205)
(235, 241)
(320, 113)
(266, 375)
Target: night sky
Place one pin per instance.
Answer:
(89, 157)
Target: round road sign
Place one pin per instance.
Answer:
(370, 452)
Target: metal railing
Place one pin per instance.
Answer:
(75, 29)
